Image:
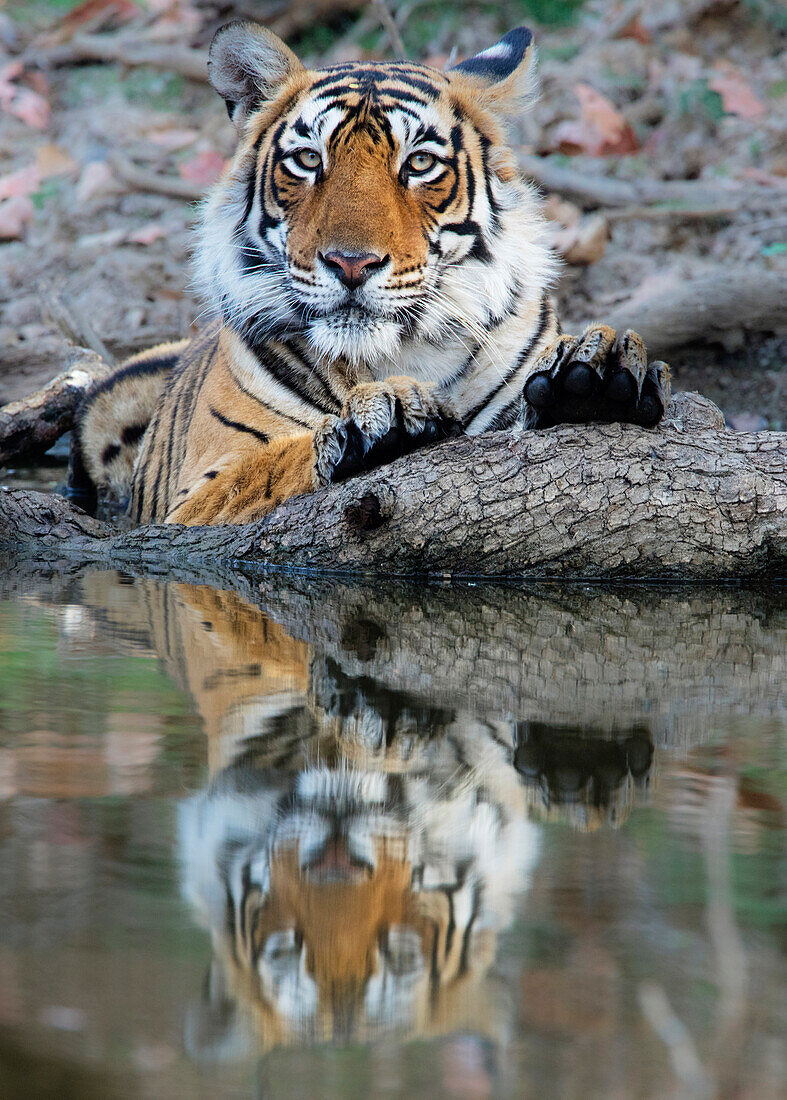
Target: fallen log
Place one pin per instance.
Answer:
(28, 428)
(672, 310)
(681, 662)
(687, 500)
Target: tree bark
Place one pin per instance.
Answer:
(688, 500)
(678, 662)
(29, 427)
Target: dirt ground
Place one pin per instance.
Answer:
(674, 91)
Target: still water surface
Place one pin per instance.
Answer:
(287, 838)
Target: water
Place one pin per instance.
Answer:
(312, 839)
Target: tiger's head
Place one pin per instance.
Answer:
(372, 206)
(344, 904)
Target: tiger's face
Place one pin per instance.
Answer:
(369, 206)
(348, 903)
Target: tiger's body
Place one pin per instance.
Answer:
(382, 280)
(359, 844)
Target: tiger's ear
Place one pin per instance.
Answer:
(503, 75)
(248, 65)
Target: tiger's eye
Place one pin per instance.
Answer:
(308, 158)
(418, 163)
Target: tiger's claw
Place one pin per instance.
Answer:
(380, 422)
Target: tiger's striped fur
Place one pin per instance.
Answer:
(358, 844)
(381, 274)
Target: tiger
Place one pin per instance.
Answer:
(380, 279)
(357, 852)
(358, 846)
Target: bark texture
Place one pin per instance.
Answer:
(681, 662)
(29, 427)
(688, 500)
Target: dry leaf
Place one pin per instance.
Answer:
(737, 98)
(767, 179)
(96, 181)
(147, 235)
(100, 14)
(634, 29)
(601, 130)
(15, 213)
(205, 168)
(23, 182)
(15, 99)
(584, 243)
(54, 161)
(560, 210)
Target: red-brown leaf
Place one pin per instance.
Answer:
(737, 98)
(601, 129)
(205, 168)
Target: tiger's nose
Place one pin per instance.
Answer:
(353, 269)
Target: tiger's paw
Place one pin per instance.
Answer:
(380, 421)
(598, 376)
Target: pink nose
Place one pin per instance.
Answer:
(353, 269)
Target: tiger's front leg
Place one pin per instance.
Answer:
(380, 421)
(598, 376)
(240, 488)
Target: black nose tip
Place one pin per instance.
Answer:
(352, 269)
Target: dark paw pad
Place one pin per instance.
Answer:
(597, 377)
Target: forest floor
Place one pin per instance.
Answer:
(690, 91)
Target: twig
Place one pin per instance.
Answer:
(143, 179)
(391, 29)
(28, 428)
(670, 213)
(66, 315)
(674, 1034)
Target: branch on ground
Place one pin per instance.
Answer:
(682, 195)
(672, 310)
(28, 428)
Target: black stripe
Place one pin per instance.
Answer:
(264, 405)
(112, 450)
(312, 372)
(281, 370)
(225, 420)
(156, 484)
(133, 370)
(132, 433)
(251, 186)
(523, 356)
(514, 294)
(450, 931)
(462, 970)
(167, 469)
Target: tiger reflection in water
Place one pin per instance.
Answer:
(356, 850)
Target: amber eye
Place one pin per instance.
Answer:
(418, 163)
(307, 158)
